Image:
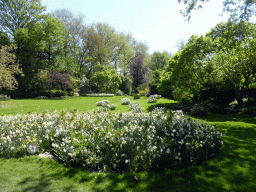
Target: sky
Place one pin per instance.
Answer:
(158, 22)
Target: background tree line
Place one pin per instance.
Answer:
(40, 52)
(61, 45)
(217, 68)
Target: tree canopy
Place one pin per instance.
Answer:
(8, 68)
(211, 66)
(16, 14)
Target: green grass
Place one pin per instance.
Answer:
(82, 104)
(233, 169)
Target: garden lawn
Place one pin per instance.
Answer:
(82, 104)
(232, 169)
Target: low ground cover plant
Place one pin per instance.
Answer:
(112, 142)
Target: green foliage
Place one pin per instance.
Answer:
(198, 111)
(136, 96)
(126, 85)
(158, 61)
(9, 67)
(251, 111)
(4, 97)
(212, 69)
(17, 14)
(58, 93)
(4, 39)
(142, 87)
(105, 79)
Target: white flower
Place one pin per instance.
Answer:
(168, 151)
(126, 161)
(174, 130)
(12, 148)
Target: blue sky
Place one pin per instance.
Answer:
(156, 21)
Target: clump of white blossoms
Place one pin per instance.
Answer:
(112, 141)
(125, 101)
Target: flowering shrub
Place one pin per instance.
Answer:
(198, 111)
(119, 93)
(112, 107)
(157, 96)
(144, 92)
(135, 107)
(99, 95)
(101, 103)
(125, 101)
(4, 97)
(112, 141)
(75, 94)
(152, 99)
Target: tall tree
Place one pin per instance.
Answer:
(72, 55)
(8, 68)
(138, 71)
(156, 66)
(239, 9)
(16, 14)
(38, 48)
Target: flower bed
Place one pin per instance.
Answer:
(112, 141)
(99, 95)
